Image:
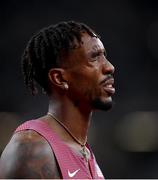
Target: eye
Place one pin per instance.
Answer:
(96, 55)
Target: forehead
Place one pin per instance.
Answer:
(79, 56)
(91, 43)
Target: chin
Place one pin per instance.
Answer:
(105, 105)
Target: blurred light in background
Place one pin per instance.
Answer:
(137, 132)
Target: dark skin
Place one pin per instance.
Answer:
(28, 155)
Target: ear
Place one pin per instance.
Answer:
(57, 76)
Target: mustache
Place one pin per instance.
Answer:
(108, 77)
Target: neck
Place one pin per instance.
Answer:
(74, 118)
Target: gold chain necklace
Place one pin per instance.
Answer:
(83, 145)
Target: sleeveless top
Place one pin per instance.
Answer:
(72, 165)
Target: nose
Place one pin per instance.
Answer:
(108, 68)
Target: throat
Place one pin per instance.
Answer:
(81, 141)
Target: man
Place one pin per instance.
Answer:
(68, 61)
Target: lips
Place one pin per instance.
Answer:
(108, 86)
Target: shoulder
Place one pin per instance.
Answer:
(28, 155)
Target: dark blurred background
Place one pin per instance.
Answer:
(125, 139)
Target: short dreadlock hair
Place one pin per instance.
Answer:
(44, 49)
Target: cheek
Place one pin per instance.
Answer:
(83, 88)
(85, 82)
(92, 89)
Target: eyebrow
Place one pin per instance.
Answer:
(96, 50)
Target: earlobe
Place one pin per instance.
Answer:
(66, 86)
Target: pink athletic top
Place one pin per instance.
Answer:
(72, 165)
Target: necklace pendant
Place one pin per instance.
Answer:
(84, 153)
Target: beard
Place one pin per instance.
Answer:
(97, 104)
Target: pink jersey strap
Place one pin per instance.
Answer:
(72, 165)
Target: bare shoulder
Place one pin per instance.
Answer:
(28, 155)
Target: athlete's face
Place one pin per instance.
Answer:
(90, 75)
